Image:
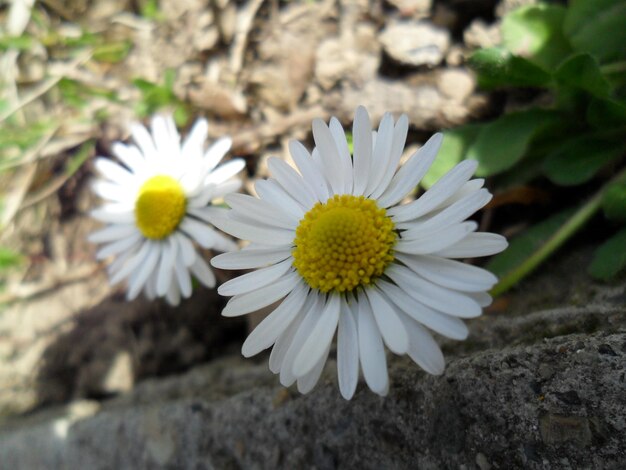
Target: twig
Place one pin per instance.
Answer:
(44, 87)
(244, 25)
(27, 291)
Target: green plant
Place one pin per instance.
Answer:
(155, 96)
(577, 55)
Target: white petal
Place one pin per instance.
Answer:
(111, 191)
(314, 304)
(291, 182)
(201, 233)
(112, 233)
(262, 235)
(254, 280)
(119, 262)
(347, 352)
(388, 321)
(399, 139)
(468, 188)
(438, 193)
(482, 298)
(372, 351)
(446, 325)
(202, 272)
(251, 258)
(166, 266)
(272, 326)
(333, 169)
(381, 153)
(455, 213)
(186, 248)
(475, 245)
(319, 338)
(449, 273)
(192, 146)
(150, 287)
(411, 173)
(216, 152)
(173, 294)
(183, 277)
(257, 299)
(307, 382)
(144, 271)
(112, 171)
(423, 349)
(123, 244)
(114, 214)
(227, 187)
(310, 173)
(442, 299)
(260, 211)
(271, 192)
(362, 159)
(144, 141)
(129, 266)
(164, 142)
(284, 340)
(225, 171)
(201, 198)
(129, 155)
(224, 243)
(419, 242)
(339, 136)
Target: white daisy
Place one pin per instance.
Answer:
(158, 203)
(336, 244)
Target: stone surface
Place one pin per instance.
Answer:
(493, 408)
(415, 42)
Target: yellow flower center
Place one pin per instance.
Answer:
(343, 244)
(160, 207)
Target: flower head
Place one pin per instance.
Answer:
(158, 204)
(337, 244)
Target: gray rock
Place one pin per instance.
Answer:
(496, 408)
(415, 42)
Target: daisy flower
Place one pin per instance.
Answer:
(337, 244)
(158, 203)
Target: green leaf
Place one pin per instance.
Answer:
(610, 258)
(181, 116)
(535, 32)
(455, 144)
(524, 245)
(579, 159)
(22, 43)
(597, 27)
(80, 157)
(9, 258)
(497, 67)
(582, 71)
(500, 144)
(112, 52)
(606, 114)
(614, 202)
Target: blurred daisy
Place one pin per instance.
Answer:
(335, 242)
(158, 204)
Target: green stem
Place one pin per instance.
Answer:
(615, 67)
(573, 224)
